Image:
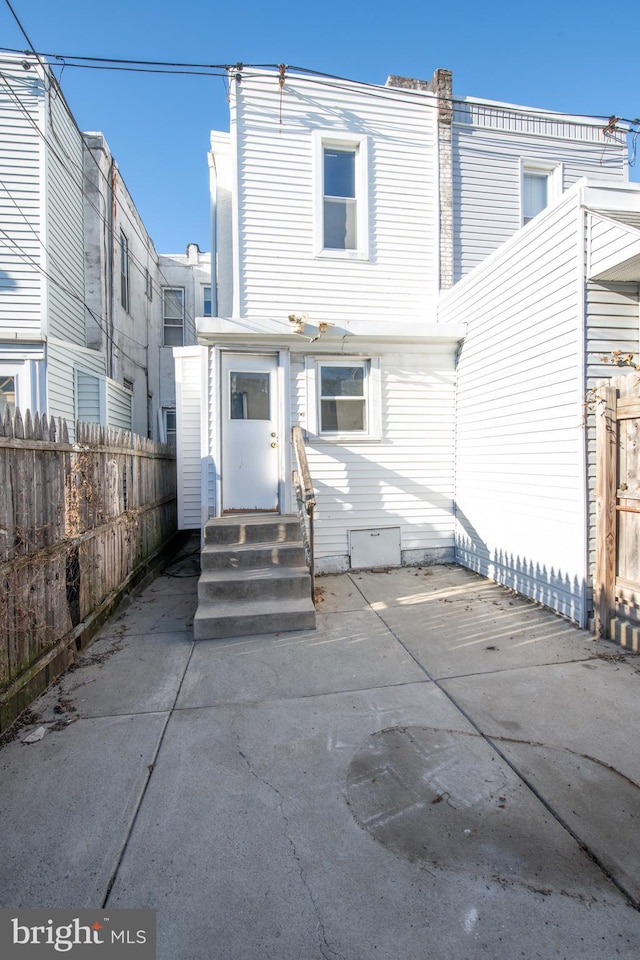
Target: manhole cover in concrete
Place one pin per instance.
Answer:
(447, 799)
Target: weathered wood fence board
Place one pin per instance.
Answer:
(77, 520)
(617, 575)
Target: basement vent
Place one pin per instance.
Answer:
(376, 547)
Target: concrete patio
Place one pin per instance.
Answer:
(441, 770)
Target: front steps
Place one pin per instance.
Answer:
(254, 578)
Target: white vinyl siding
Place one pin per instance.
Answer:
(279, 271)
(65, 226)
(118, 406)
(406, 478)
(21, 152)
(488, 145)
(519, 446)
(189, 453)
(61, 382)
(89, 397)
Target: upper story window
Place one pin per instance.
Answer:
(173, 316)
(148, 285)
(170, 425)
(124, 271)
(342, 208)
(540, 184)
(206, 301)
(339, 203)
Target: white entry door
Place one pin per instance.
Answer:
(250, 435)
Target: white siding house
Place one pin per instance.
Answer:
(79, 287)
(185, 293)
(447, 419)
(540, 319)
(335, 269)
(501, 152)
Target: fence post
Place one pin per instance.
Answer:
(606, 490)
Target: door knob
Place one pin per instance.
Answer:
(274, 435)
(274, 444)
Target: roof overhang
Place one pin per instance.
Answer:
(303, 337)
(613, 247)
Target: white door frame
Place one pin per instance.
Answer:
(283, 406)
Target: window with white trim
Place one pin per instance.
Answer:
(206, 301)
(343, 395)
(540, 183)
(170, 425)
(342, 207)
(173, 316)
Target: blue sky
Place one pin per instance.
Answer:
(575, 57)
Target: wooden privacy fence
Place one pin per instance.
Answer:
(617, 574)
(78, 523)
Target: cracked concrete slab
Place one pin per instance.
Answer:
(348, 651)
(480, 636)
(265, 857)
(144, 677)
(588, 707)
(67, 804)
(167, 605)
(239, 831)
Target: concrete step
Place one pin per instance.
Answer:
(252, 555)
(265, 583)
(215, 620)
(258, 528)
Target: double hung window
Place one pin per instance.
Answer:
(343, 396)
(173, 316)
(541, 183)
(342, 214)
(206, 301)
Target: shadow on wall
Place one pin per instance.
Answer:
(6, 281)
(544, 584)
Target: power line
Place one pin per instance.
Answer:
(303, 74)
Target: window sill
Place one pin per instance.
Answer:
(342, 255)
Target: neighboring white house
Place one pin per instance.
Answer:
(82, 302)
(122, 294)
(342, 211)
(541, 313)
(185, 293)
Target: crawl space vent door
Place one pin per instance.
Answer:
(376, 547)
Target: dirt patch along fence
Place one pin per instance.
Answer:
(79, 523)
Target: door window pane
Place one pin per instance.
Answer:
(7, 393)
(249, 396)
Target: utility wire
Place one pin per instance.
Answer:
(302, 73)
